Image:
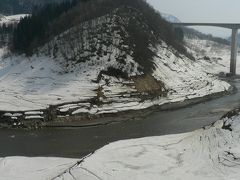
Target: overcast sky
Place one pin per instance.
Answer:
(227, 11)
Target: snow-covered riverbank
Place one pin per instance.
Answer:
(22, 168)
(211, 153)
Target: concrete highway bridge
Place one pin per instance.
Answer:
(234, 45)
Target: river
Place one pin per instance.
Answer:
(78, 142)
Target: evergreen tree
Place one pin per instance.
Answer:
(32, 30)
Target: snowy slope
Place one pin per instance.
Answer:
(65, 71)
(211, 153)
(207, 154)
(36, 82)
(213, 56)
(185, 78)
(22, 168)
(11, 19)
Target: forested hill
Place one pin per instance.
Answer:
(10, 7)
(192, 33)
(92, 57)
(52, 20)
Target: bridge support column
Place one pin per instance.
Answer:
(234, 51)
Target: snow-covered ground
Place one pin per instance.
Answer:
(207, 154)
(213, 57)
(22, 168)
(11, 19)
(37, 82)
(185, 78)
(66, 71)
(211, 153)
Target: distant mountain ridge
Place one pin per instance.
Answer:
(192, 33)
(170, 18)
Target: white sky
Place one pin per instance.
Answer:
(225, 11)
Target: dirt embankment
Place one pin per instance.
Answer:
(148, 84)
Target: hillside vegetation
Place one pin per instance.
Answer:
(192, 33)
(86, 58)
(32, 30)
(51, 20)
(10, 7)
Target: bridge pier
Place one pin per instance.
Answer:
(234, 47)
(234, 51)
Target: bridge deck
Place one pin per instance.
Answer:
(223, 25)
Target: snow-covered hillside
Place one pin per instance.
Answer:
(211, 153)
(213, 56)
(170, 18)
(11, 19)
(36, 82)
(100, 75)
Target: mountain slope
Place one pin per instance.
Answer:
(194, 34)
(214, 56)
(99, 67)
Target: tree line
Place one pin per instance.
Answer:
(192, 33)
(6, 32)
(9, 7)
(50, 20)
(32, 30)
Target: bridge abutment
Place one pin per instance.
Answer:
(234, 51)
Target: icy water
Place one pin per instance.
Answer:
(82, 141)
